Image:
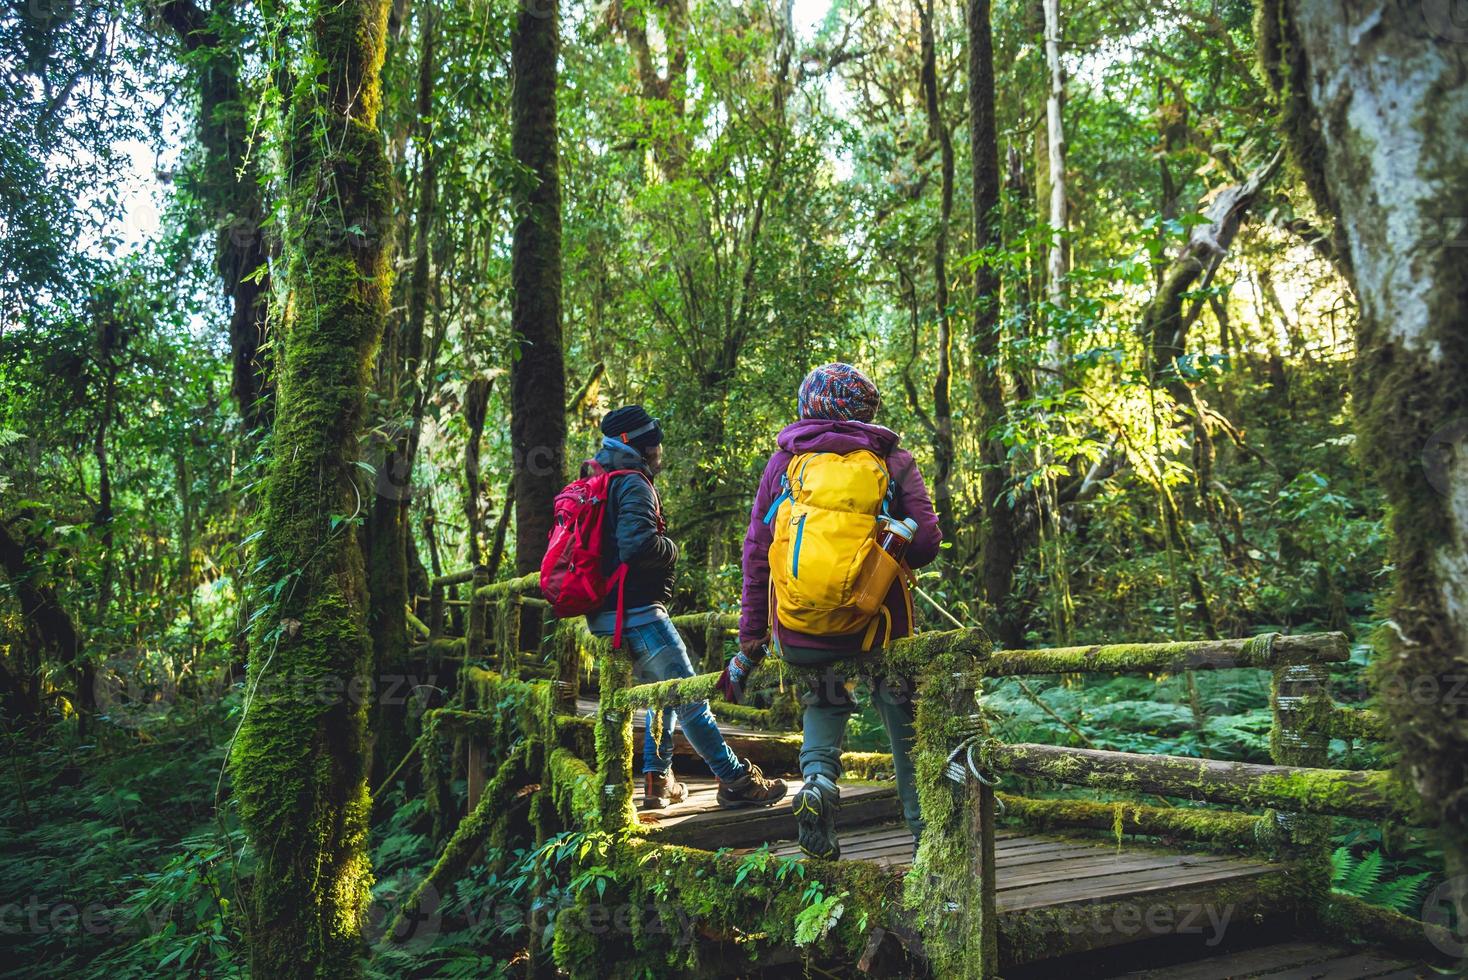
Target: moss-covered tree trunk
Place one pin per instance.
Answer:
(943, 447)
(538, 372)
(300, 760)
(1375, 100)
(227, 182)
(1000, 546)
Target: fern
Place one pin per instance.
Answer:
(1402, 894)
(1361, 876)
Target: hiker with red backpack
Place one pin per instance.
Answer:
(840, 518)
(610, 558)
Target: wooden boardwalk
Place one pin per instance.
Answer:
(1104, 895)
(1293, 960)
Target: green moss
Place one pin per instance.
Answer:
(1218, 828)
(574, 789)
(300, 759)
(669, 694)
(1348, 918)
(673, 910)
(484, 822)
(743, 714)
(1043, 933)
(614, 744)
(1356, 723)
(1149, 658)
(867, 765)
(524, 585)
(1366, 795)
(942, 892)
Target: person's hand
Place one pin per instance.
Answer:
(750, 646)
(736, 672)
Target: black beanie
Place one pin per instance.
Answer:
(631, 424)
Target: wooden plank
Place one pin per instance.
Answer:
(713, 828)
(1355, 966)
(1243, 963)
(1013, 859)
(1083, 869)
(1139, 883)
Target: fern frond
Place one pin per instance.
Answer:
(1363, 877)
(1402, 894)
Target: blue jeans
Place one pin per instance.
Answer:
(830, 700)
(659, 655)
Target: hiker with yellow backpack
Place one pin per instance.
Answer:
(840, 509)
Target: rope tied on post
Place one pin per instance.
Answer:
(959, 772)
(1261, 646)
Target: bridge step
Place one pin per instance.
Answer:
(699, 821)
(1294, 960)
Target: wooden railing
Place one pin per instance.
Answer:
(1290, 800)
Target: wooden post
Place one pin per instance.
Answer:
(474, 651)
(567, 649)
(435, 613)
(982, 854)
(1300, 699)
(507, 633)
(613, 742)
(713, 645)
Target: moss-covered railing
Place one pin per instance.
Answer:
(585, 771)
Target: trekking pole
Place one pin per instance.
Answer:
(1029, 693)
(1085, 740)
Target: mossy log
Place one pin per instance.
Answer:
(471, 834)
(1214, 827)
(417, 625)
(525, 585)
(442, 648)
(1362, 794)
(685, 690)
(453, 578)
(459, 721)
(691, 912)
(1151, 658)
(699, 621)
(1348, 918)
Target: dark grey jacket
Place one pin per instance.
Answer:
(631, 533)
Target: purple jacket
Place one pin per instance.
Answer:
(910, 500)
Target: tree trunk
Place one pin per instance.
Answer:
(50, 635)
(229, 185)
(1375, 106)
(1000, 548)
(300, 758)
(402, 385)
(1058, 262)
(537, 371)
(943, 452)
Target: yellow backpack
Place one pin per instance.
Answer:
(824, 523)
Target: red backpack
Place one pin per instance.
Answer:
(571, 577)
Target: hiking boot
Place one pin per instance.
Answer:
(661, 789)
(751, 789)
(815, 805)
